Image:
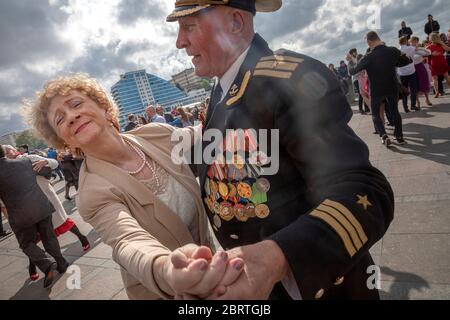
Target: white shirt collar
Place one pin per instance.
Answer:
(227, 79)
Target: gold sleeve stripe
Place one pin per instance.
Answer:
(283, 58)
(273, 73)
(345, 223)
(349, 216)
(241, 92)
(338, 228)
(277, 65)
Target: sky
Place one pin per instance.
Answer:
(41, 39)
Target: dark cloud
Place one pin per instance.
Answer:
(28, 32)
(99, 60)
(131, 11)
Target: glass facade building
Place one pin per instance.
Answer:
(138, 89)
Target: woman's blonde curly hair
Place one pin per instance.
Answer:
(36, 112)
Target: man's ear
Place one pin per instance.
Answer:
(237, 22)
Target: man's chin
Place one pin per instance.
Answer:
(199, 72)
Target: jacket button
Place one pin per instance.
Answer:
(319, 294)
(339, 281)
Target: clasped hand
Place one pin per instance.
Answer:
(247, 272)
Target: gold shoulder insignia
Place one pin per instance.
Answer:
(277, 66)
(239, 94)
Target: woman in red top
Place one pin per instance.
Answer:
(439, 65)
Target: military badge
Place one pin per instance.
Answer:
(234, 90)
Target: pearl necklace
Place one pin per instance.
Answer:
(143, 157)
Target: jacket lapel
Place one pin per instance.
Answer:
(182, 175)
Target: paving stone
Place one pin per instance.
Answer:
(17, 266)
(121, 295)
(421, 217)
(416, 258)
(110, 281)
(414, 291)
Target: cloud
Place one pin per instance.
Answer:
(46, 38)
(29, 32)
(131, 11)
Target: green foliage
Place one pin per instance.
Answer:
(206, 84)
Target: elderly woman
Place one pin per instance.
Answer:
(142, 204)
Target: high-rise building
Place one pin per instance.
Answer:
(187, 80)
(138, 89)
(10, 138)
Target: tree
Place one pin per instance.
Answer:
(205, 84)
(28, 138)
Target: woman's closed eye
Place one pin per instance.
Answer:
(76, 104)
(59, 120)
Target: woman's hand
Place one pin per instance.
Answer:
(191, 272)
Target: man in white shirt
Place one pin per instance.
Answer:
(153, 116)
(408, 76)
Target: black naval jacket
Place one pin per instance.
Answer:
(327, 204)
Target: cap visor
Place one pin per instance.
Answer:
(184, 11)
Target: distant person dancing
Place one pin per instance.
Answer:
(439, 65)
(381, 66)
(30, 214)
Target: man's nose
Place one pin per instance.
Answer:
(182, 42)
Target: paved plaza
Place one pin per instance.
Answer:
(414, 255)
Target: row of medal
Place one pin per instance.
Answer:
(236, 191)
(228, 211)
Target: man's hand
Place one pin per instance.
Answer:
(37, 166)
(265, 265)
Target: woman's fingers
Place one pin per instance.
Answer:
(183, 279)
(202, 253)
(179, 260)
(213, 276)
(233, 271)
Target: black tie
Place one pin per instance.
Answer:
(216, 97)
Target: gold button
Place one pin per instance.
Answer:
(339, 281)
(319, 294)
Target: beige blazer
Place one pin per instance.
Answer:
(129, 218)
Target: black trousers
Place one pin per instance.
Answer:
(1, 222)
(391, 102)
(411, 83)
(27, 242)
